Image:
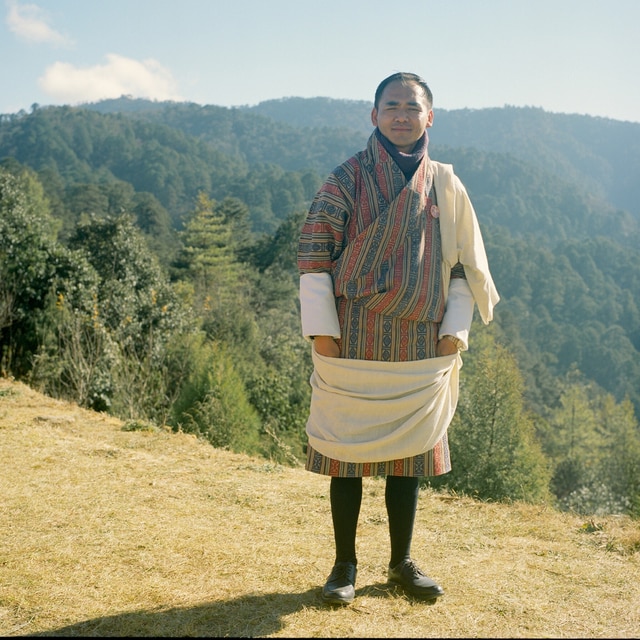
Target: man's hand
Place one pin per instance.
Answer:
(446, 347)
(326, 346)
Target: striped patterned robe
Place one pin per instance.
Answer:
(379, 237)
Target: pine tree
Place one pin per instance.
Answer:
(207, 265)
(494, 452)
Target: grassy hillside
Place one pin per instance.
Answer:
(111, 529)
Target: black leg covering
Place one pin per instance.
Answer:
(401, 499)
(346, 498)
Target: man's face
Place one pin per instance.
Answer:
(403, 114)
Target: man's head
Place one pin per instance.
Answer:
(402, 109)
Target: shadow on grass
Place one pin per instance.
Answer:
(244, 617)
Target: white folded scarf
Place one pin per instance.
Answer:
(372, 411)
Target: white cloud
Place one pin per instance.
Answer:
(119, 76)
(30, 22)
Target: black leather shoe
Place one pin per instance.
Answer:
(341, 583)
(408, 575)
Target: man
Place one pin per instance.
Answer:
(391, 263)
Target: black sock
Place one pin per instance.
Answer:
(401, 499)
(346, 498)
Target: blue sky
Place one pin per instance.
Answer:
(565, 56)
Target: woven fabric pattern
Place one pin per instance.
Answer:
(432, 463)
(385, 257)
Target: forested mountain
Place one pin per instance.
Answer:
(69, 146)
(599, 154)
(588, 167)
(218, 195)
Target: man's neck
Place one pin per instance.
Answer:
(408, 162)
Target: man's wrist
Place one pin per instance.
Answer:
(456, 341)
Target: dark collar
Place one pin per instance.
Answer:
(408, 162)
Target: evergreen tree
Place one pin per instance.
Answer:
(594, 446)
(620, 462)
(495, 455)
(571, 439)
(33, 267)
(207, 266)
(140, 314)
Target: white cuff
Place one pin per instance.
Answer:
(458, 313)
(318, 312)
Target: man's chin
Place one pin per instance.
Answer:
(402, 141)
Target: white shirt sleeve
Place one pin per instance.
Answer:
(318, 313)
(458, 313)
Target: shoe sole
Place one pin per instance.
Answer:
(337, 601)
(419, 595)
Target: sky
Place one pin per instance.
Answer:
(564, 56)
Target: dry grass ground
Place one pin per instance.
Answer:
(110, 532)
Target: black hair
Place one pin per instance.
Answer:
(405, 78)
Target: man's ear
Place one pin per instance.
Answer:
(430, 119)
(374, 117)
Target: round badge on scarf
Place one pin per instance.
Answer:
(435, 212)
